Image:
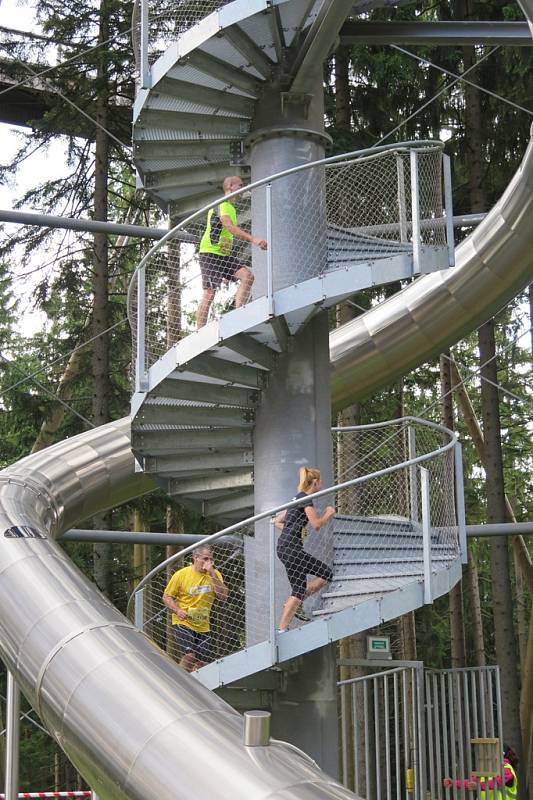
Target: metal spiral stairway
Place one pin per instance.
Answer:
(365, 220)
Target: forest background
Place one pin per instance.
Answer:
(74, 372)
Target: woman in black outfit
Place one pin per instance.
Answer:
(297, 562)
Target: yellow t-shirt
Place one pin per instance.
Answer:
(194, 593)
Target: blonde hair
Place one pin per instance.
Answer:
(307, 476)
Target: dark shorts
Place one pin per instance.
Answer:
(188, 641)
(298, 565)
(217, 269)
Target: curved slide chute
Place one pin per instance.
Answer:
(131, 722)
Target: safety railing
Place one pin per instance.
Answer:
(350, 209)
(156, 25)
(374, 525)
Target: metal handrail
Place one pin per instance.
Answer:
(368, 153)
(322, 493)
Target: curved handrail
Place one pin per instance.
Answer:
(368, 153)
(322, 493)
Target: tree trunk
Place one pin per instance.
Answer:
(505, 640)
(476, 619)
(100, 355)
(457, 631)
(343, 110)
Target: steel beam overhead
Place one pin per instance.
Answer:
(140, 537)
(515, 34)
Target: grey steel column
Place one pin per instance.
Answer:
(293, 423)
(12, 738)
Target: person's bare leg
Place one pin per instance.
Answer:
(289, 610)
(203, 307)
(314, 586)
(246, 279)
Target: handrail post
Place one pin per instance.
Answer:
(270, 272)
(426, 533)
(272, 590)
(139, 610)
(145, 66)
(141, 382)
(12, 738)
(413, 483)
(402, 206)
(415, 212)
(460, 501)
(448, 208)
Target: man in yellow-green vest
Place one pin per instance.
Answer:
(217, 264)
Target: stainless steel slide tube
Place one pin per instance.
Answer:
(134, 724)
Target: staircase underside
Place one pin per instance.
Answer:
(193, 431)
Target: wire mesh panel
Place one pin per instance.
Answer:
(167, 20)
(331, 215)
(325, 552)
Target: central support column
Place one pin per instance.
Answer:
(294, 420)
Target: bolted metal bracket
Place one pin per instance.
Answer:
(301, 99)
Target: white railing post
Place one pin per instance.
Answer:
(272, 590)
(448, 208)
(141, 383)
(145, 66)
(415, 212)
(460, 501)
(426, 533)
(402, 206)
(139, 610)
(12, 738)
(270, 272)
(413, 474)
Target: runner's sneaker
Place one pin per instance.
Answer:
(302, 615)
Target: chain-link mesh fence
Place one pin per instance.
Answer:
(167, 20)
(327, 216)
(264, 577)
(43, 767)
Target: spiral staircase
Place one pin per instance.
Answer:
(197, 397)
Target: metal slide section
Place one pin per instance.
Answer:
(134, 725)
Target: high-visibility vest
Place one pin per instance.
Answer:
(496, 793)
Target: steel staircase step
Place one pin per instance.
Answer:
(252, 350)
(218, 100)
(354, 561)
(250, 50)
(217, 68)
(376, 573)
(370, 586)
(226, 371)
(193, 442)
(216, 482)
(172, 465)
(212, 126)
(206, 393)
(208, 416)
(237, 504)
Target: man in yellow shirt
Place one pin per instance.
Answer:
(217, 264)
(190, 594)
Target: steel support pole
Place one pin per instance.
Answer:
(270, 274)
(413, 474)
(293, 421)
(139, 610)
(402, 205)
(426, 533)
(12, 738)
(415, 213)
(140, 370)
(272, 591)
(460, 501)
(448, 208)
(144, 66)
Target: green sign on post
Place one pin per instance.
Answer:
(378, 647)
